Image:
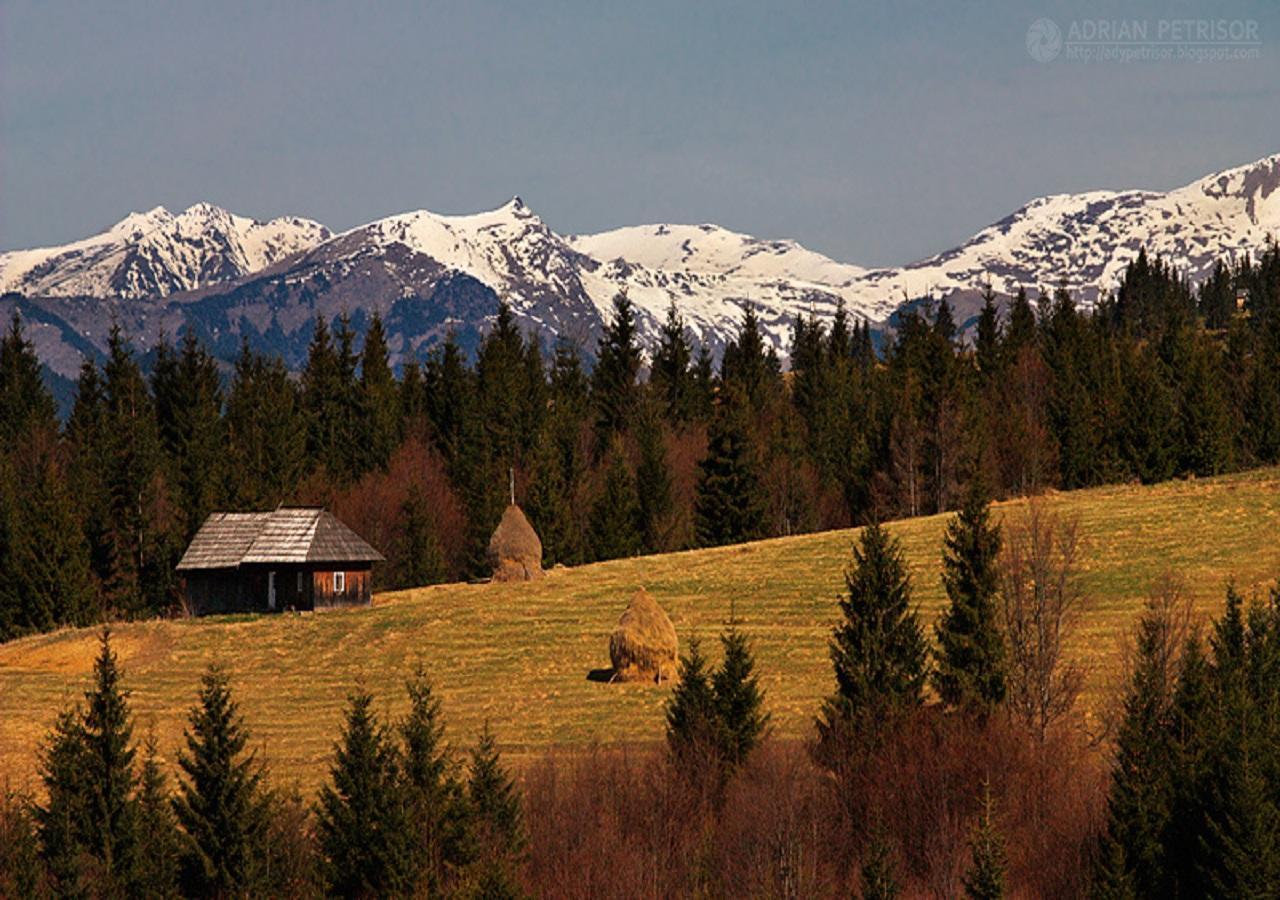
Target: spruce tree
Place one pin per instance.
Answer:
(728, 505)
(878, 875)
(505, 388)
(878, 650)
(970, 669)
(379, 400)
(693, 719)
(323, 398)
(62, 821)
(90, 820)
(266, 433)
(670, 376)
(139, 546)
(159, 841)
(987, 340)
(615, 516)
(188, 400)
(745, 366)
(435, 798)
(43, 550)
(548, 502)
(739, 701)
(1140, 802)
(25, 402)
(496, 819)
(362, 818)
(221, 803)
(21, 871)
(653, 483)
(613, 381)
(419, 558)
(985, 877)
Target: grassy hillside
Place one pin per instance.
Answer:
(519, 655)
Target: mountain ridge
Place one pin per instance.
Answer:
(226, 275)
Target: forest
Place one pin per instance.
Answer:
(1160, 380)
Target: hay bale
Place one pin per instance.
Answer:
(515, 552)
(644, 646)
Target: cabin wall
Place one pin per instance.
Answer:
(220, 592)
(356, 593)
(297, 588)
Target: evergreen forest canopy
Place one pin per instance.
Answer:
(1161, 380)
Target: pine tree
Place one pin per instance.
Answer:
(693, 721)
(985, 877)
(613, 381)
(970, 670)
(728, 505)
(435, 798)
(878, 650)
(25, 403)
(362, 818)
(220, 803)
(739, 701)
(615, 516)
(496, 819)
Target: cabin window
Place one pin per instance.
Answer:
(299, 583)
(339, 582)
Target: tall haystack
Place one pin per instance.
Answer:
(644, 646)
(515, 552)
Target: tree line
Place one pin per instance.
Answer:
(1159, 380)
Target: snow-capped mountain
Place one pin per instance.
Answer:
(229, 277)
(158, 253)
(1086, 240)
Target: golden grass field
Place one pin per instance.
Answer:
(519, 654)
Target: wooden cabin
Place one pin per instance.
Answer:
(294, 558)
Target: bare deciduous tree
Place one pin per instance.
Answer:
(1041, 599)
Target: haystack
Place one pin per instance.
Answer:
(644, 646)
(515, 552)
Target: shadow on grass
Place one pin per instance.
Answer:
(601, 676)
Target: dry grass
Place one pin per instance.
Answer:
(519, 654)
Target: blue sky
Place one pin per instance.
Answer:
(877, 133)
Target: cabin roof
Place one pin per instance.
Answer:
(228, 540)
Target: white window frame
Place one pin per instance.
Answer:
(339, 582)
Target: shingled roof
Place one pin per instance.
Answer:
(287, 535)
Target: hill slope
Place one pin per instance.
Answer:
(519, 654)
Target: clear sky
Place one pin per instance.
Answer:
(877, 133)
